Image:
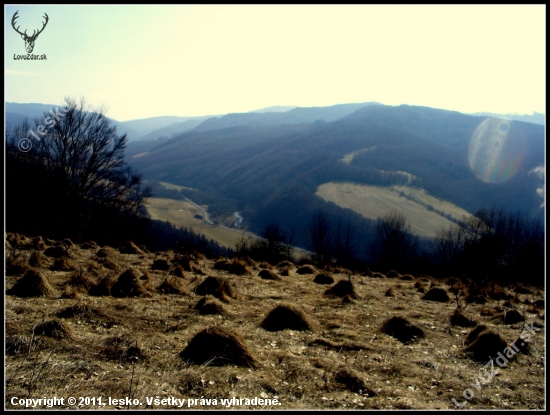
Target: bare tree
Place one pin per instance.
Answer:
(78, 175)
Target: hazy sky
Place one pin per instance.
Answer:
(144, 61)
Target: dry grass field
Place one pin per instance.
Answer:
(375, 202)
(183, 213)
(165, 329)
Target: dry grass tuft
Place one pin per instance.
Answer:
(406, 277)
(285, 272)
(390, 292)
(16, 266)
(352, 381)
(210, 305)
(402, 330)
(512, 317)
(32, 284)
(38, 260)
(103, 288)
(342, 289)
(107, 252)
(268, 275)
(239, 267)
(216, 286)
(219, 346)
(178, 271)
(57, 251)
(393, 274)
(437, 294)
(88, 245)
(128, 284)
(377, 275)
(83, 311)
(323, 279)
(487, 346)
(287, 316)
(173, 285)
(63, 264)
(460, 320)
(306, 269)
(55, 329)
(131, 248)
(160, 265)
(17, 345)
(474, 334)
(122, 348)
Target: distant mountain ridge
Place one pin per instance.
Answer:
(270, 173)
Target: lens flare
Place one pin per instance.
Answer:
(495, 154)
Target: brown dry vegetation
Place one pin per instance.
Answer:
(158, 341)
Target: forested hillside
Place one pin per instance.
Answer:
(271, 173)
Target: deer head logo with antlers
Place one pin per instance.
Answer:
(29, 40)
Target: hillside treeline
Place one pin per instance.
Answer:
(72, 182)
(271, 173)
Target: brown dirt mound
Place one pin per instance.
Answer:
(512, 317)
(38, 260)
(178, 271)
(306, 269)
(284, 264)
(268, 275)
(217, 287)
(16, 267)
(63, 264)
(390, 292)
(265, 265)
(160, 265)
(460, 320)
(474, 334)
(128, 284)
(57, 251)
(341, 289)
(88, 245)
(437, 294)
(285, 272)
(80, 280)
(487, 346)
(222, 265)
(406, 277)
(352, 381)
(130, 248)
(106, 252)
(103, 287)
(402, 330)
(239, 267)
(210, 305)
(522, 345)
(377, 275)
(219, 346)
(393, 274)
(323, 279)
(286, 316)
(184, 262)
(173, 285)
(84, 312)
(32, 284)
(54, 328)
